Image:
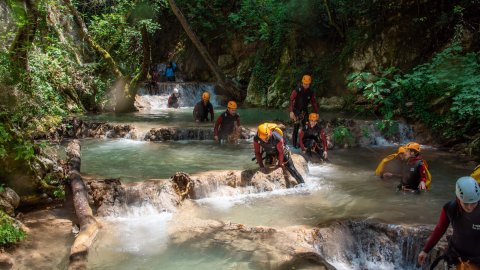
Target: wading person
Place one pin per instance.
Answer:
(463, 214)
(269, 139)
(170, 71)
(301, 96)
(313, 139)
(391, 165)
(415, 175)
(173, 99)
(203, 108)
(227, 123)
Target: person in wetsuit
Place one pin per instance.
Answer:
(173, 99)
(313, 139)
(414, 175)
(269, 139)
(299, 99)
(227, 122)
(391, 165)
(463, 214)
(203, 108)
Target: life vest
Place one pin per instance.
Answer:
(228, 124)
(270, 146)
(411, 175)
(466, 232)
(476, 174)
(302, 99)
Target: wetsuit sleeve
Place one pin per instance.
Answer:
(217, 125)
(238, 121)
(438, 232)
(258, 156)
(292, 100)
(280, 152)
(302, 146)
(324, 139)
(195, 112)
(314, 102)
(423, 173)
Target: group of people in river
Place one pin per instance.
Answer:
(463, 213)
(407, 164)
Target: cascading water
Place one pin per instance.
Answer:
(156, 96)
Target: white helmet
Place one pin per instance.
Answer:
(467, 189)
(175, 90)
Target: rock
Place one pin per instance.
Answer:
(225, 60)
(9, 200)
(6, 261)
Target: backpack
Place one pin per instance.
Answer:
(476, 174)
(429, 175)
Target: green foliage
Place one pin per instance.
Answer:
(59, 192)
(10, 233)
(341, 135)
(442, 93)
(388, 127)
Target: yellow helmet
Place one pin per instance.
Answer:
(413, 145)
(313, 117)
(232, 105)
(307, 79)
(205, 96)
(263, 131)
(401, 150)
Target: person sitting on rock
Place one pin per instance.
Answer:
(170, 71)
(391, 165)
(415, 175)
(313, 138)
(202, 108)
(463, 214)
(227, 123)
(173, 99)
(269, 139)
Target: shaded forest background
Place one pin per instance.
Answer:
(416, 60)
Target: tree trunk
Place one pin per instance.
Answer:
(24, 38)
(146, 62)
(231, 89)
(330, 19)
(88, 224)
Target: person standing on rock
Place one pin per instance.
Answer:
(170, 71)
(269, 140)
(391, 165)
(313, 138)
(415, 176)
(299, 99)
(463, 214)
(173, 99)
(203, 108)
(227, 123)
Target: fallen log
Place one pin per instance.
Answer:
(88, 224)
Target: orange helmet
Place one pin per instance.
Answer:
(232, 105)
(413, 145)
(205, 96)
(263, 131)
(307, 79)
(313, 117)
(401, 150)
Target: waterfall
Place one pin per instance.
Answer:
(155, 97)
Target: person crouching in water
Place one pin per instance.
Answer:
(270, 139)
(173, 99)
(391, 165)
(463, 213)
(202, 108)
(227, 124)
(414, 177)
(313, 138)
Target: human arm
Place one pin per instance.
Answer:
(211, 112)
(437, 233)
(323, 136)
(217, 125)
(258, 155)
(195, 113)
(423, 177)
(280, 152)
(293, 96)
